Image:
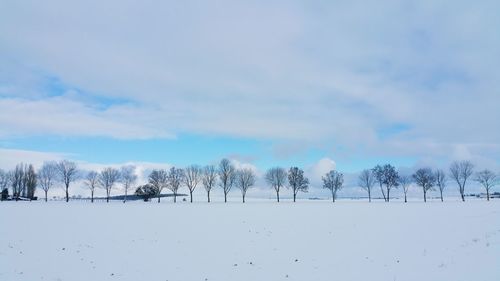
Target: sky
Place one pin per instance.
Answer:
(317, 84)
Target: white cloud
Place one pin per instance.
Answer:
(9, 158)
(64, 116)
(327, 73)
(319, 169)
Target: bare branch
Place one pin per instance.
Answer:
(426, 179)
(47, 175)
(128, 178)
(276, 178)
(487, 179)
(367, 180)
(175, 178)
(209, 178)
(333, 181)
(107, 179)
(192, 176)
(297, 181)
(460, 171)
(405, 182)
(158, 179)
(245, 179)
(68, 173)
(91, 181)
(227, 174)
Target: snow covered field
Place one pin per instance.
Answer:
(309, 240)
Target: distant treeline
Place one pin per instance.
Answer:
(22, 182)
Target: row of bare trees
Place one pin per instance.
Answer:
(461, 172)
(23, 180)
(108, 178)
(225, 175)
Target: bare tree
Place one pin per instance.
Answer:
(378, 172)
(391, 177)
(245, 179)
(440, 182)
(461, 171)
(128, 178)
(175, 178)
(333, 181)
(92, 181)
(23, 181)
(276, 178)
(227, 174)
(31, 182)
(192, 176)
(405, 181)
(426, 179)
(487, 179)
(297, 181)
(107, 179)
(209, 178)
(68, 173)
(17, 181)
(47, 176)
(366, 180)
(158, 179)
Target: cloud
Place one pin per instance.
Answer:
(9, 158)
(329, 74)
(319, 169)
(64, 116)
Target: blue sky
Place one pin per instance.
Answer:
(322, 84)
(186, 150)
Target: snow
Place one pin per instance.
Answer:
(259, 240)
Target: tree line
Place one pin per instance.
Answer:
(23, 180)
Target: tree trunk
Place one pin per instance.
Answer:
(333, 197)
(125, 199)
(159, 198)
(405, 198)
(243, 198)
(191, 194)
(67, 193)
(92, 196)
(441, 192)
(388, 190)
(488, 194)
(463, 197)
(278, 196)
(294, 196)
(369, 196)
(225, 197)
(175, 197)
(383, 192)
(425, 196)
(46, 195)
(208, 196)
